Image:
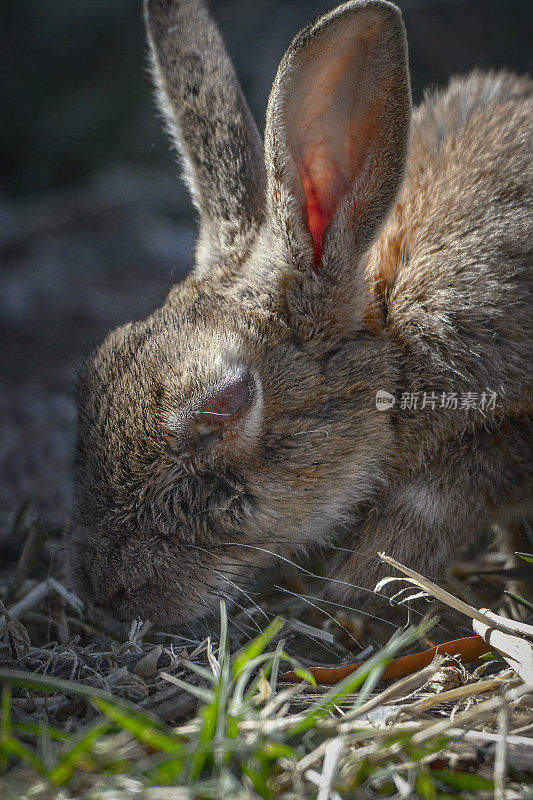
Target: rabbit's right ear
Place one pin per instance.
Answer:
(212, 126)
(336, 137)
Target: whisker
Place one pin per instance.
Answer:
(217, 592)
(327, 579)
(341, 605)
(306, 571)
(240, 589)
(313, 605)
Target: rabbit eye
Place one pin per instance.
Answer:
(225, 419)
(225, 402)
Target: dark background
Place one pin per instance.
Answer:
(94, 224)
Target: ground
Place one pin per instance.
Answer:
(94, 228)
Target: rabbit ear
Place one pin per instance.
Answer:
(337, 132)
(211, 124)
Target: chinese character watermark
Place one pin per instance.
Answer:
(455, 401)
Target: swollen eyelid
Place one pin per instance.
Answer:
(227, 400)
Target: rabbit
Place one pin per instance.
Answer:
(366, 251)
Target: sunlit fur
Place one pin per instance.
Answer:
(425, 290)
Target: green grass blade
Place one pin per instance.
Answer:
(209, 715)
(464, 781)
(5, 726)
(46, 683)
(212, 727)
(11, 746)
(5, 722)
(65, 768)
(55, 734)
(425, 785)
(267, 662)
(356, 679)
(167, 772)
(520, 600)
(369, 684)
(239, 696)
(144, 733)
(257, 646)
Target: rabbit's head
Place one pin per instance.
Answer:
(238, 421)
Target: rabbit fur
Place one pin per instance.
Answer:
(365, 247)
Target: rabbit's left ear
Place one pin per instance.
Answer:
(337, 133)
(211, 124)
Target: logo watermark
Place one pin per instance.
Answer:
(454, 401)
(384, 400)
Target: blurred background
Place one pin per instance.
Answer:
(94, 223)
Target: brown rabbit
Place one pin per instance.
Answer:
(250, 416)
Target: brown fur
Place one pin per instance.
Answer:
(439, 301)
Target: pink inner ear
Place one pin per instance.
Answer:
(330, 136)
(323, 185)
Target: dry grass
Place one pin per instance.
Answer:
(92, 711)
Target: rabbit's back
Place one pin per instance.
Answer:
(453, 263)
